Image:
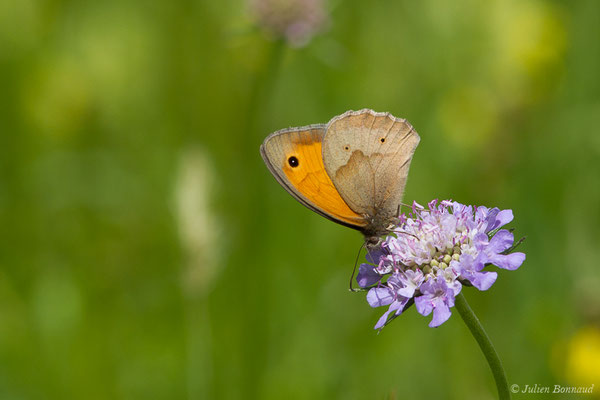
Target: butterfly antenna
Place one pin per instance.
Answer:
(355, 263)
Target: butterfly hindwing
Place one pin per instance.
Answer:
(367, 155)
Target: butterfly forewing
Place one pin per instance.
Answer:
(294, 157)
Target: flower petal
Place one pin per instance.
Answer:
(381, 321)
(500, 242)
(381, 296)
(367, 276)
(483, 280)
(407, 291)
(508, 261)
(374, 256)
(424, 305)
(481, 241)
(500, 219)
(411, 280)
(396, 306)
(441, 313)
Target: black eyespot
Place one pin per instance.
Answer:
(346, 147)
(293, 161)
(382, 140)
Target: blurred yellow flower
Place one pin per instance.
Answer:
(469, 116)
(583, 357)
(56, 98)
(530, 42)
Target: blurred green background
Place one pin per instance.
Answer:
(146, 252)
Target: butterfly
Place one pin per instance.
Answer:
(352, 170)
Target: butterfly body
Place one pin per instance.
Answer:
(351, 170)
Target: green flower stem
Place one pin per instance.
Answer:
(250, 177)
(485, 344)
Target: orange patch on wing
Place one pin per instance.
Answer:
(311, 179)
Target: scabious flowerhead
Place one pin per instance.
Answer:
(295, 21)
(432, 253)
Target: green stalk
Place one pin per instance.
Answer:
(485, 344)
(251, 213)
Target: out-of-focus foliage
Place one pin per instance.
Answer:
(146, 252)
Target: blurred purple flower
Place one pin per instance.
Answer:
(296, 21)
(432, 252)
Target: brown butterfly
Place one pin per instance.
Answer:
(351, 170)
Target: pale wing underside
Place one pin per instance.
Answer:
(308, 181)
(367, 155)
